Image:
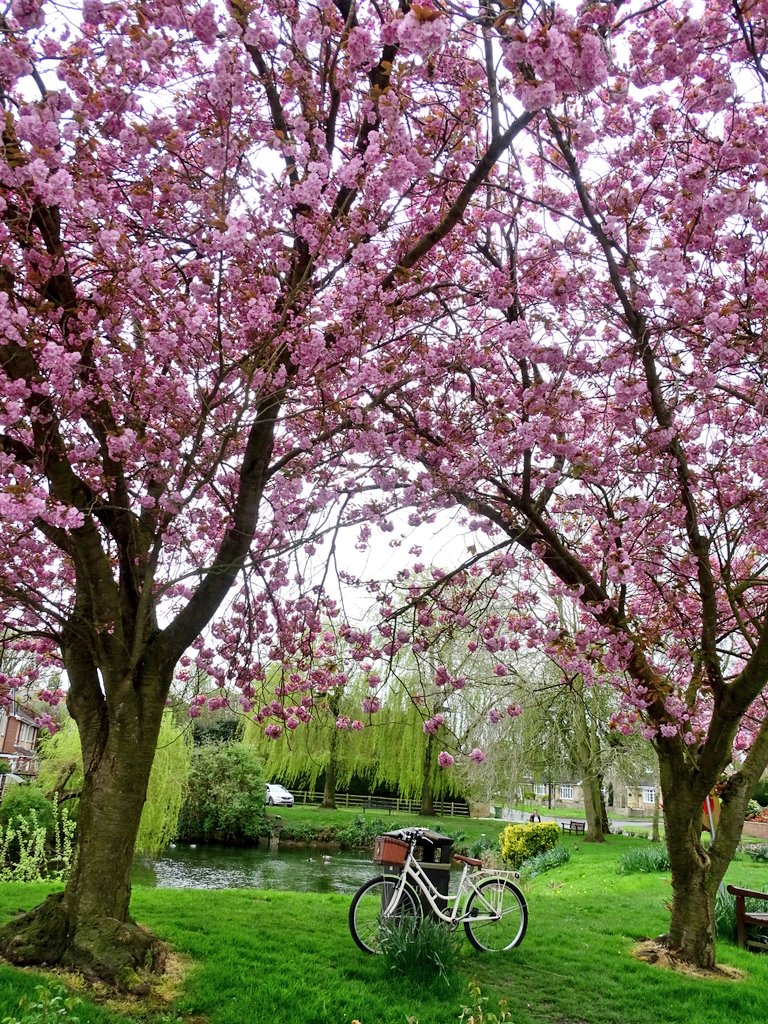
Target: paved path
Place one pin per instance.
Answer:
(513, 817)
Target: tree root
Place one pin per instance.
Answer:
(120, 953)
(656, 952)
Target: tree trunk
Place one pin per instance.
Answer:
(605, 820)
(697, 872)
(585, 751)
(88, 926)
(655, 835)
(427, 805)
(686, 778)
(691, 934)
(593, 808)
(329, 789)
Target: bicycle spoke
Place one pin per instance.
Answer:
(498, 916)
(376, 903)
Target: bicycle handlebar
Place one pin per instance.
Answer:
(416, 833)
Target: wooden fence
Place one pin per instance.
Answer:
(451, 808)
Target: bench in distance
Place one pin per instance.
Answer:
(580, 827)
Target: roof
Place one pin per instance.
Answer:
(24, 717)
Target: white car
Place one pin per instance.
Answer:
(278, 795)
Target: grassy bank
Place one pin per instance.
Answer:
(355, 828)
(287, 958)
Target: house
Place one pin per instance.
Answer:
(640, 800)
(630, 798)
(562, 795)
(18, 739)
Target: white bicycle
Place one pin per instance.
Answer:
(487, 902)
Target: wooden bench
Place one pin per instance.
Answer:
(745, 917)
(579, 827)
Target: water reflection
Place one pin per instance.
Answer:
(226, 867)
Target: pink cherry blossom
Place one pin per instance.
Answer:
(431, 725)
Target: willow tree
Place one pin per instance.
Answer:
(402, 756)
(332, 743)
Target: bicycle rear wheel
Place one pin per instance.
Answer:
(506, 928)
(371, 909)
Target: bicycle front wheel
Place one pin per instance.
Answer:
(498, 916)
(372, 908)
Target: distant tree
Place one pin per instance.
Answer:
(215, 727)
(330, 742)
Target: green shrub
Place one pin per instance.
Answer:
(477, 847)
(521, 842)
(423, 950)
(361, 832)
(226, 793)
(644, 860)
(459, 837)
(546, 861)
(31, 853)
(20, 801)
(753, 809)
(760, 793)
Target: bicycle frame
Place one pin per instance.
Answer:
(415, 874)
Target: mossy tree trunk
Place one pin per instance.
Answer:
(592, 808)
(88, 926)
(605, 822)
(687, 777)
(656, 821)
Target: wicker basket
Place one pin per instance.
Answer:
(390, 850)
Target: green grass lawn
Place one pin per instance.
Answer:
(288, 958)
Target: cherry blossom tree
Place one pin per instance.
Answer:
(210, 213)
(262, 260)
(592, 389)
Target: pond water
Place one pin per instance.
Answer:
(304, 869)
